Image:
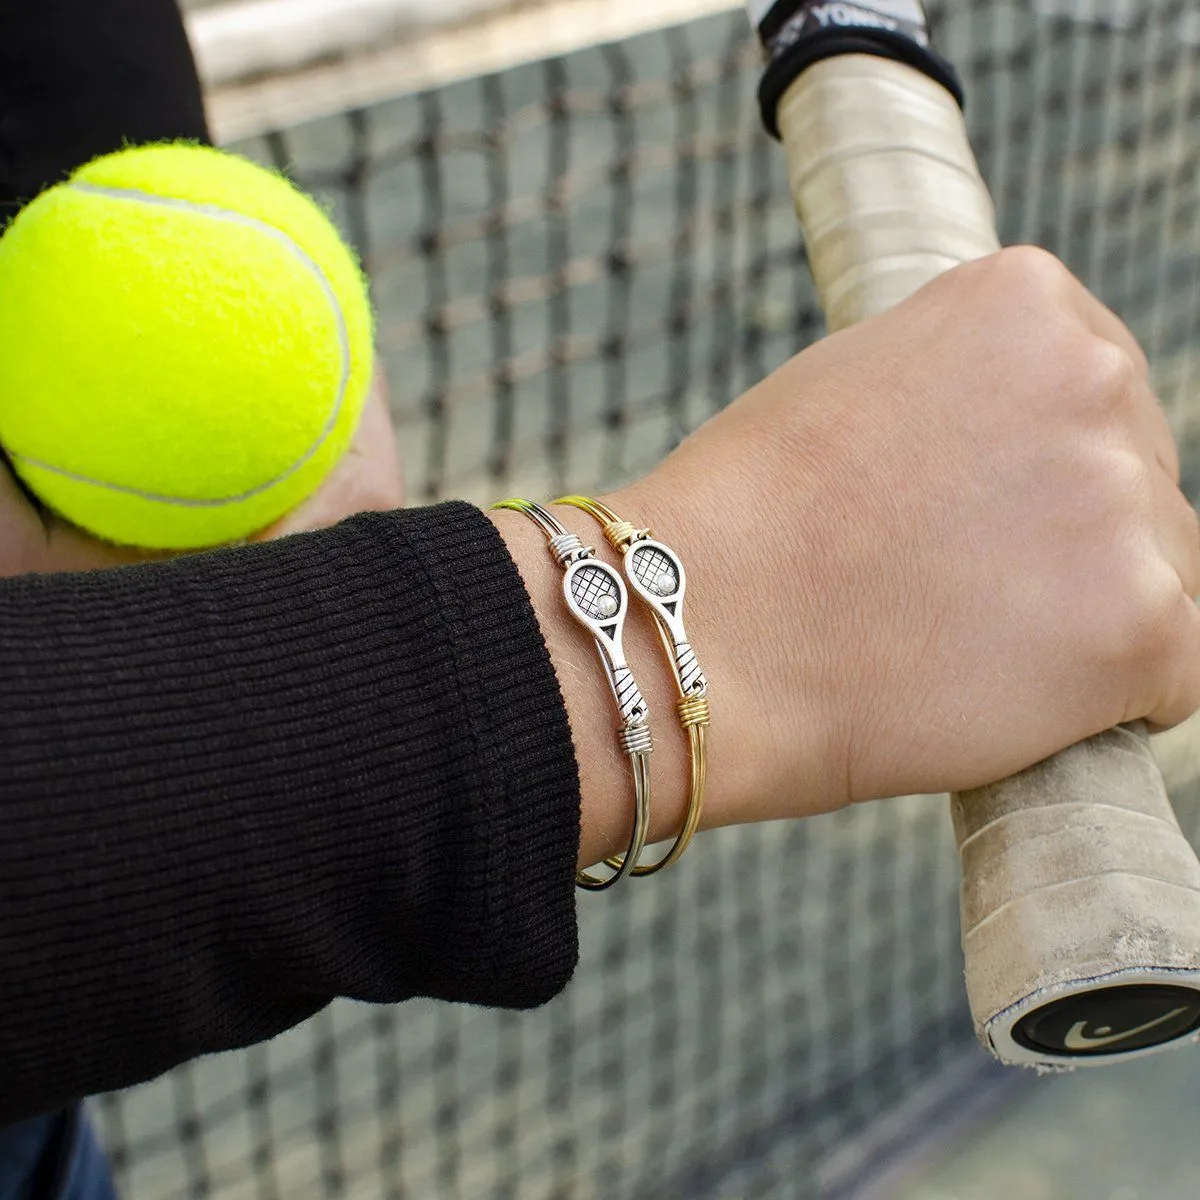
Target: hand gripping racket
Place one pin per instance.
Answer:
(1080, 894)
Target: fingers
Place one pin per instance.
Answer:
(1166, 449)
(1064, 287)
(380, 473)
(35, 541)
(1105, 324)
(22, 534)
(1156, 439)
(1182, 696)
(1176, 521)
(1179, 533)
(68, 548)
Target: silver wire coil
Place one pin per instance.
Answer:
(635, 739)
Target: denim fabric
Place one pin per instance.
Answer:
(54, 1158)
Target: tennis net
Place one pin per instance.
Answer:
(581, 244)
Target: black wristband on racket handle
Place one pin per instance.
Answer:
(795, 34)
(1080, 894)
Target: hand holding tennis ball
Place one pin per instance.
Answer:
(186, 347)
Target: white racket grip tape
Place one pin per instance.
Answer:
(884, 183)
(1080, 894)
(1077, 879)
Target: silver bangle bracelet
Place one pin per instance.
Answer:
(596, 597)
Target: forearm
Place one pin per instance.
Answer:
(238, 785)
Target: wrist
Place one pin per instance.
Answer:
(606, 784)
(767, 758)
(775, 749)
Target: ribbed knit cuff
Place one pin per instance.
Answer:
(519, 724)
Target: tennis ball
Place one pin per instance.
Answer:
(185, 346)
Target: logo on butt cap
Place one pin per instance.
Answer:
(1110, 1021)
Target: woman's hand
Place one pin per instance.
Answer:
(368, 478)
(925, 553)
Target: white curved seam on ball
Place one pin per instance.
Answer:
(220, 214)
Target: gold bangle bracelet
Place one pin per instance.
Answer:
(656, 574)
(595, 596)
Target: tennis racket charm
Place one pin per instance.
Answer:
(657, 575)
(597, 599)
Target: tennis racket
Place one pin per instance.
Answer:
(1080, 894)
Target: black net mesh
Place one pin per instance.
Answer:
(575, 262)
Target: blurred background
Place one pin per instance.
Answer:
(581, 245)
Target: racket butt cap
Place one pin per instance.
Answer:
(1081, 921)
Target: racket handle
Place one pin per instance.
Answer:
(1080, 894)
(1080, 907)
(884, 183)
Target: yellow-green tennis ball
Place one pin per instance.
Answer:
(185, 346)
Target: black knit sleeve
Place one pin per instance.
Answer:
(81, 78)
(237, 785)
